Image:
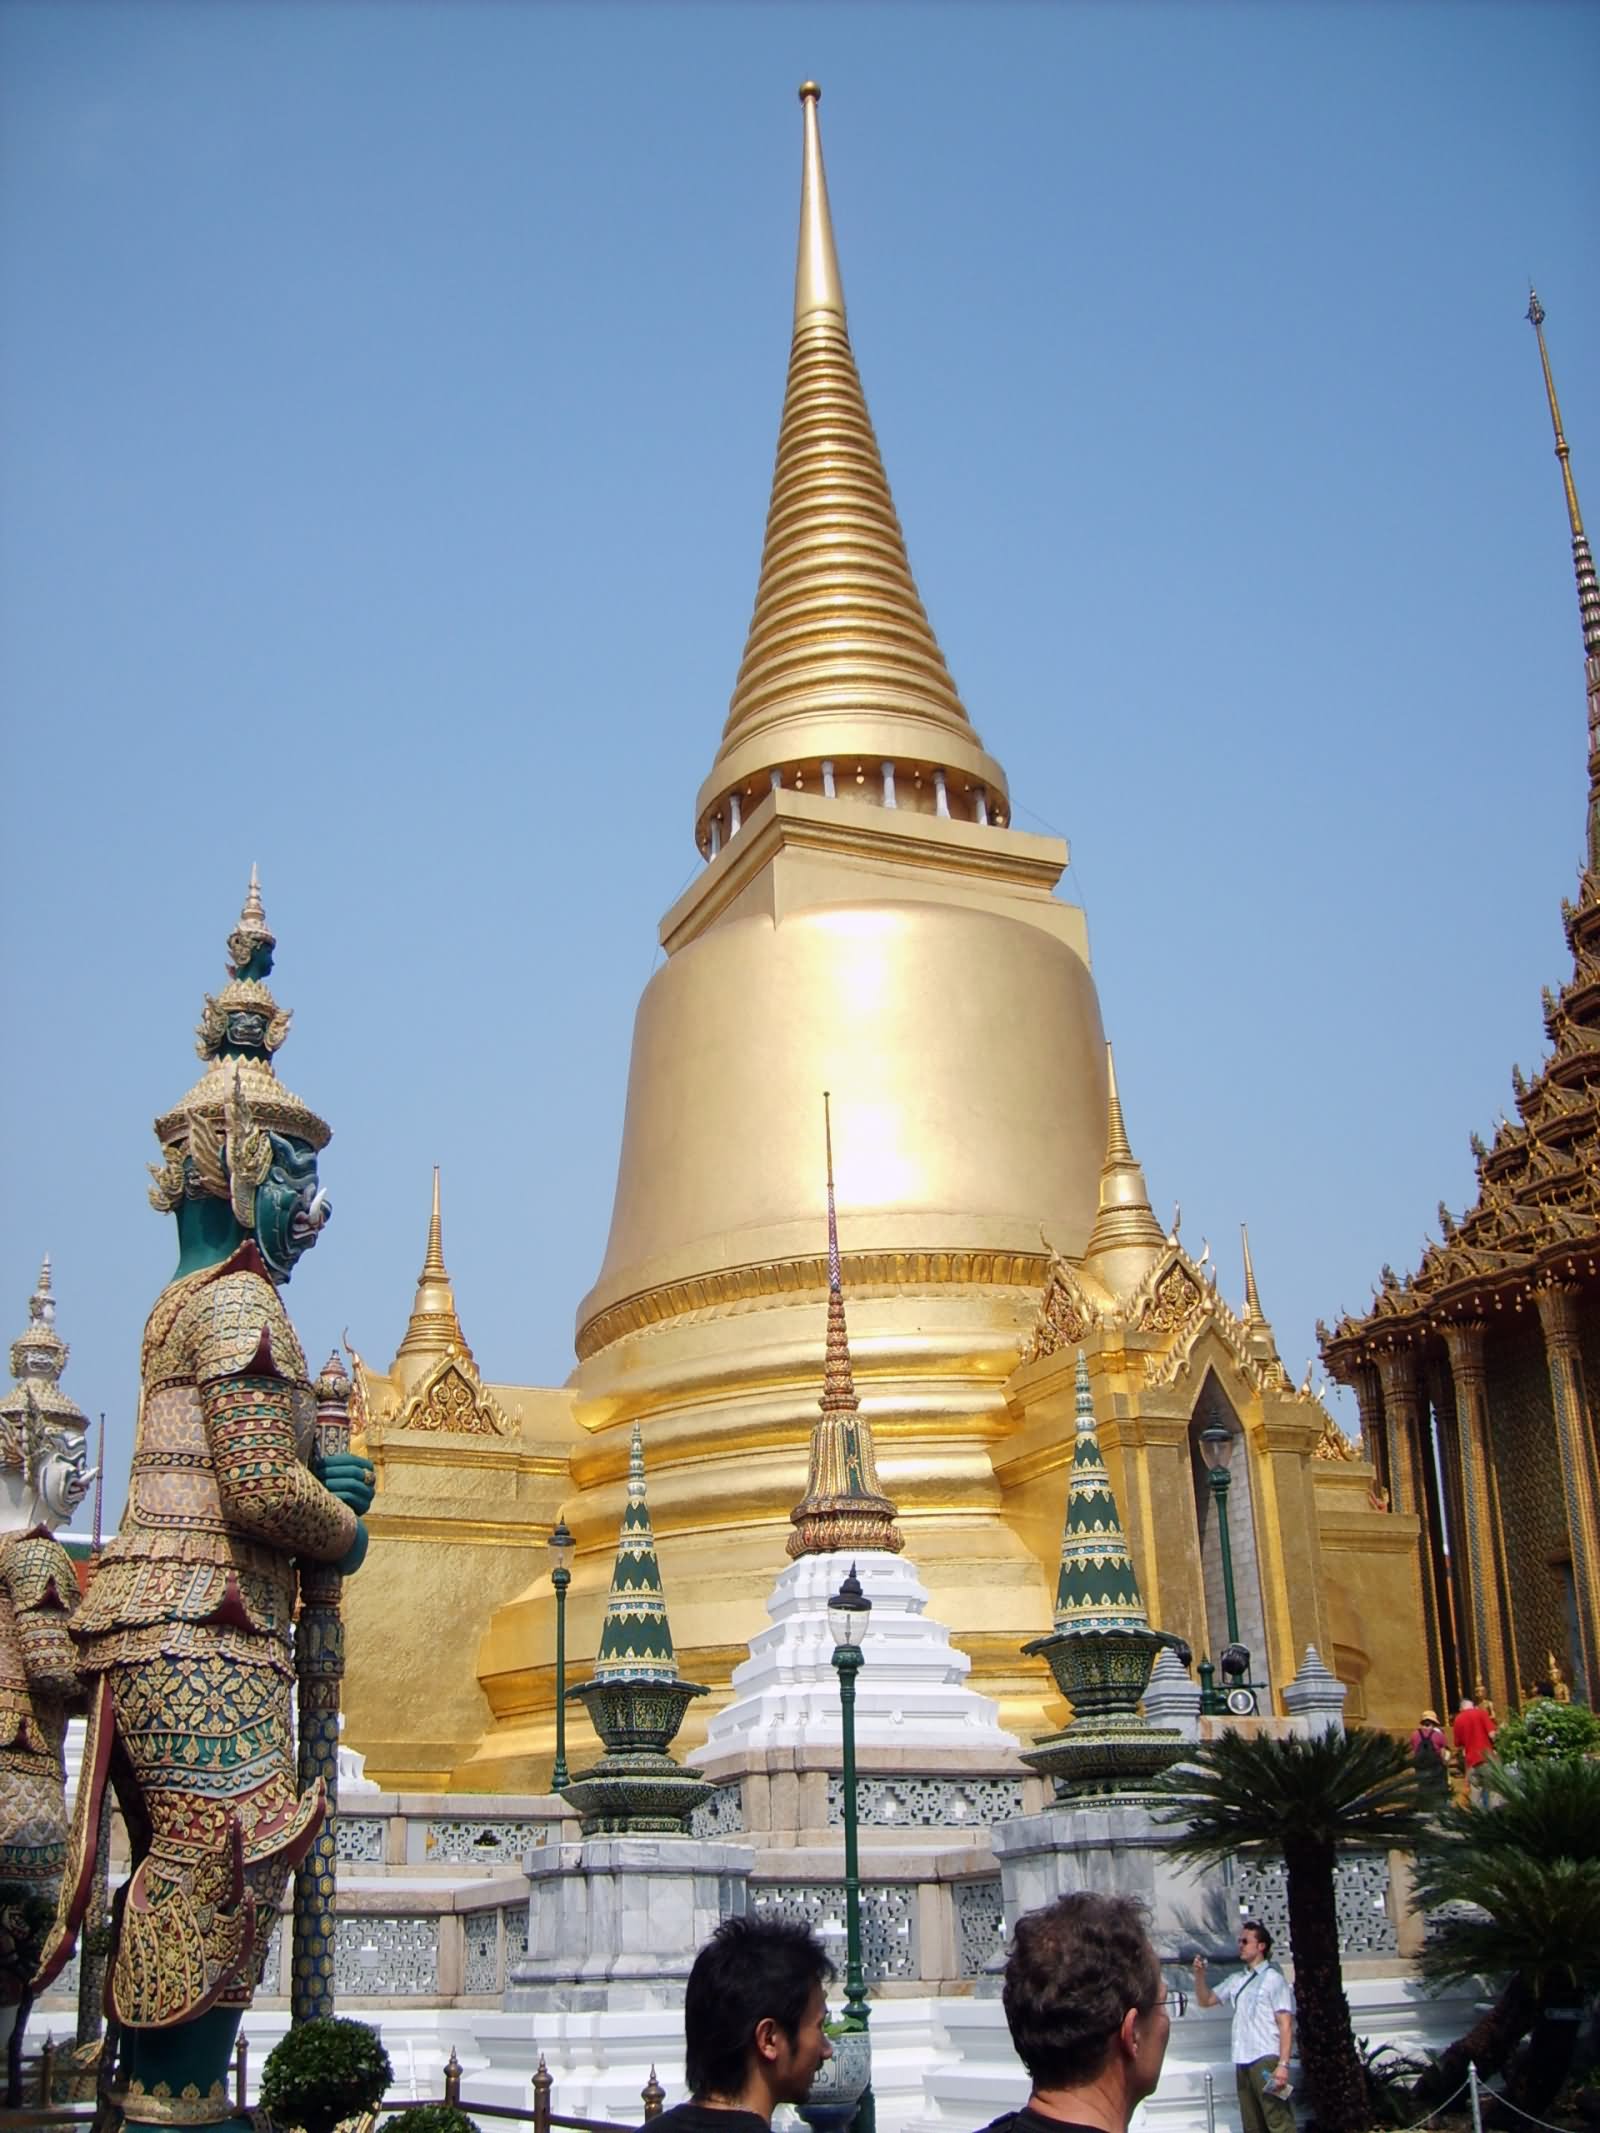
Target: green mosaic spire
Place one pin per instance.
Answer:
(636, 1641)
(1097, 1589)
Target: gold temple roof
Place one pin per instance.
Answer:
(841, 664)
(1537, 1211)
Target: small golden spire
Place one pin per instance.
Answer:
(1126, 1239)
(433, 1328)
(1535, 316)
(1117, 1146)
(433, 1260)
(841, 665)
(1588, 599)
(1253, 1313)
(844, 1505)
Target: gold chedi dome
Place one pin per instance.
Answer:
(898, 943)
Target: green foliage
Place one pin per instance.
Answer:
(1529, 1862)
(1246, 1796)
(431, 2118)
(323, 2071)
(1547, 1731)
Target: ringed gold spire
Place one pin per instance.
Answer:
(844, 1505)
(843, 684)
(433, 1328)
(1126, 1239)
(1588, 594)
(1253, 1313)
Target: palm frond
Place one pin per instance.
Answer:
(1245, 1795)
(1537, 1915)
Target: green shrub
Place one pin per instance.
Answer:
(323, 2071)
(1545, 1731)
(431, 2118)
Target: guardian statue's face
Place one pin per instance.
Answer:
(63, 1480)
(42, 1474)
(290, 1207)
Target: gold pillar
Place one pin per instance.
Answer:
(1481, 1550)
(1369, 1405)
(1408, 1489)
(1558, 1314)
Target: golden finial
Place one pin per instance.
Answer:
(1588, 598)
(844, 1505)
(1117, 1148)
(817, 285)
(433, 1259)
(1535, 317)
(841, 664)
(833, 1219)
(1252, 1295)
(252, 932)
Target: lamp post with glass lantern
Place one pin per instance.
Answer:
(1216, 1445)
(1217, 1448)
(848, 1614)
(562, 1549)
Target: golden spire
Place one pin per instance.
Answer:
(841, 666)
(1260, 1339)
(1253, 1313)
(1588, 593)
(1126, 1239)
(844, 1505)
(433, 1328)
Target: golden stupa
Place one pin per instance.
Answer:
(867, 921)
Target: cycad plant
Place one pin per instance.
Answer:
(1528, 1865)
(1303, 1801)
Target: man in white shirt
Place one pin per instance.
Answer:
(1263, 2030)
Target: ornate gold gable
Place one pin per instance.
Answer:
(453, 1397)
(1066, 1312)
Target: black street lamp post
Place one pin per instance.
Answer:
(562, 1548)
(848, 1613)
(1217, 1446)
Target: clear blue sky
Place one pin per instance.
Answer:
(387, 405)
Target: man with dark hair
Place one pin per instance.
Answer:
(1086, 2005)
(1263, 2030)
(752, 2027)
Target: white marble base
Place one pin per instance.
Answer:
(939, 2065)
(1116, 1848)
(911, 1690)
(614, 1923)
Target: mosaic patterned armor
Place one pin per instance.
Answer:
(42, 1481)
(38, 1681)
(187, 1626)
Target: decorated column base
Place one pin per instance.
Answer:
(636, 1793)
(615, 1922)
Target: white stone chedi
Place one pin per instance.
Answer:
(911, 1691)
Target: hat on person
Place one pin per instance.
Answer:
(1430, 1718)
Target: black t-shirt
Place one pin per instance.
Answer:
(705, 2118)
(1026, 2121)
